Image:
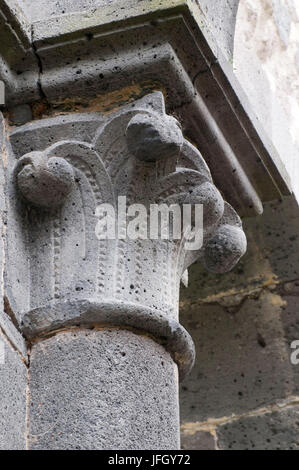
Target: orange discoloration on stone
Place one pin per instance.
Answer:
(103, 103)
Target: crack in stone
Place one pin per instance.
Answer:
(24, 359)
(211, 424)
(27, 416)
(9, 312)
(272, 285)
(40, 67)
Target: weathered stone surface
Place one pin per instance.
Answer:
(44, 181)
(201, 440)
(224, 248)
(74, 277)
(21, 114)
(13, 334)
(8, 323)
(272, 256)
(243, 323)
(271, 431)
(243, 357)
(153, 322)
(152, 138)
(221, 18)
(220, 15)
(290, 323)
(51, 258)
(48, 8)
(18, 67)
(74, 47)
(267, 39)
(70, 257)
(13, 383)
(106, 389)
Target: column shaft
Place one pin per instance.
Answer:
(102, 389)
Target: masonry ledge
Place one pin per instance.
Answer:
(168, 48)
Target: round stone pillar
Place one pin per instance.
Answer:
(102, 389)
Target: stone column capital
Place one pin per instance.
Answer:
(78, 277)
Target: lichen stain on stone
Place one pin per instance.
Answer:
(102, 103)
(277, 301)
(234, 295)
(189, 429)
(271, 281)
(40, 109)
(211, 424)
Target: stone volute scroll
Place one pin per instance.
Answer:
(74, 163)
(44, 181)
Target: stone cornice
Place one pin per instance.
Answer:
(90, 53)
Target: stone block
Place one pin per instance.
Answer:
(290, 322)
(201, 440)
(271, 431)
(221, 18)
(13, 382)
(272, 256)
(107, 389)
(243, 358)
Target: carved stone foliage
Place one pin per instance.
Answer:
(69, 165)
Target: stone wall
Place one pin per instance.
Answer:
(266, 62)
(13, 391)
(13, 349)
(221, 18)
(243, 392)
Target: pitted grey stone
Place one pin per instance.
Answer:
(103, 389)
(76, 277)
(152, 137)
(224, 249)
(13, 381)
(84, 313)
(44, 181)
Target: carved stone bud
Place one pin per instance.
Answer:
(152, 137)
(224, 249)
(208, 195)
(44, 181)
